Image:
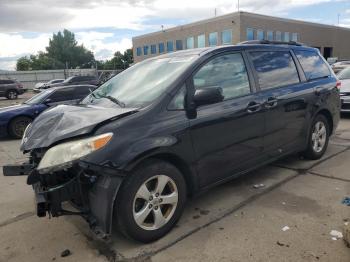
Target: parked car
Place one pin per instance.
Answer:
(15, 119)
(11, 88)
(174, 125)
(344, 77)
(340, 65)
(40, 86)
(77, 80)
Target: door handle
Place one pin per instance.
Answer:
(271, 102)
(253, 107)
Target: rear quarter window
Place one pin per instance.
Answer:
(313, 65)
(274, 68)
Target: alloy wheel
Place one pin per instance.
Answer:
(155, 202)
(319, 136)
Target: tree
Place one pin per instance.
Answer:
(64, 48)
(118, 62)
(23, 64)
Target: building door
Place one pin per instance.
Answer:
(328, 52)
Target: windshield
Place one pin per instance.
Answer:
(344, 74)
(39, 97)
(142, 83)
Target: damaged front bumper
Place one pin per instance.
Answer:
(90, 188)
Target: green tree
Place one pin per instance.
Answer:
(23, 64)
(63, 47)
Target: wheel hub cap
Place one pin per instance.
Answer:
(319, 136)
(155, 202)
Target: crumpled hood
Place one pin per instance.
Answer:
(64, 121)
(345, 86)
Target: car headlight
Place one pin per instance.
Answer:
(63, 155)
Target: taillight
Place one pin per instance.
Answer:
(338, 85)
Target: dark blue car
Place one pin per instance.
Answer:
(15, 119)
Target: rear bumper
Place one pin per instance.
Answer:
(21, 91)
(92, 193)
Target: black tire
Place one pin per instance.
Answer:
(17, 126)
(125, 207)
(11, 94)
(311, 153)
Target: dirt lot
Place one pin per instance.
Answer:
(232, 222)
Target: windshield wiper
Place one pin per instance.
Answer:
(114, 100)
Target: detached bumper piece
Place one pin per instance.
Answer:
(18, 170)
(90, 188)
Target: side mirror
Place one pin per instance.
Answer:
(208, 95)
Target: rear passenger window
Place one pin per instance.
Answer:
(312, 64)
(274, 69)
(82, 91)
(227, 72)
(64, 94)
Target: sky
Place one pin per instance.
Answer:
(107, 26)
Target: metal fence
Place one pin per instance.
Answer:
(30, 78)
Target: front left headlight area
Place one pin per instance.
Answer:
(64, 155)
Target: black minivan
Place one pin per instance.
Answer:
(174, 125)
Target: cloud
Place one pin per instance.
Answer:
(51, 15)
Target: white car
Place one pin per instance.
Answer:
(344, 77)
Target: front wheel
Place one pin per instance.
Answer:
(318, 138)
(150, 201)
(11, 94)
(18, 125)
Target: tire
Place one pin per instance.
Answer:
(132, 203)
(319, 134)
(11, 94)
(17, 126)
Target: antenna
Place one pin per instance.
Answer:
(238, 5)
(338, 19)
(215, 12)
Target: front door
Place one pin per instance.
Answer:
(227, 136)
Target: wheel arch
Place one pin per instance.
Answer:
(326, 113)
(185, 169)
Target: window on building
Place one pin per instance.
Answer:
(312, 64)
(153, 49)
(161, 48)
(190, 42)
(274, 69)
(170, 46)
(295, 37)
(201, 41)
(145, 50)
(250, 34)
(286, 37)
(138, 51)
(213, 39)
(226, 37)
(179, 45)
(270, 35)
(278, 36)
(260, 34)
(227, 72)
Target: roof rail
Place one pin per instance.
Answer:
(268, 42)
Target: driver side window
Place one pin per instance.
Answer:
(227, 72)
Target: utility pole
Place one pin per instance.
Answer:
(338, 19)
(238, 5)
(215, 12)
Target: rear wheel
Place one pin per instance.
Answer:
(318, 138)
(18, 125)
(150, 201)
(11, 94)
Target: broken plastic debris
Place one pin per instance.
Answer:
(336, 234)
(285, 228)
(334, 238)
(283, 203)
(259, 185)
